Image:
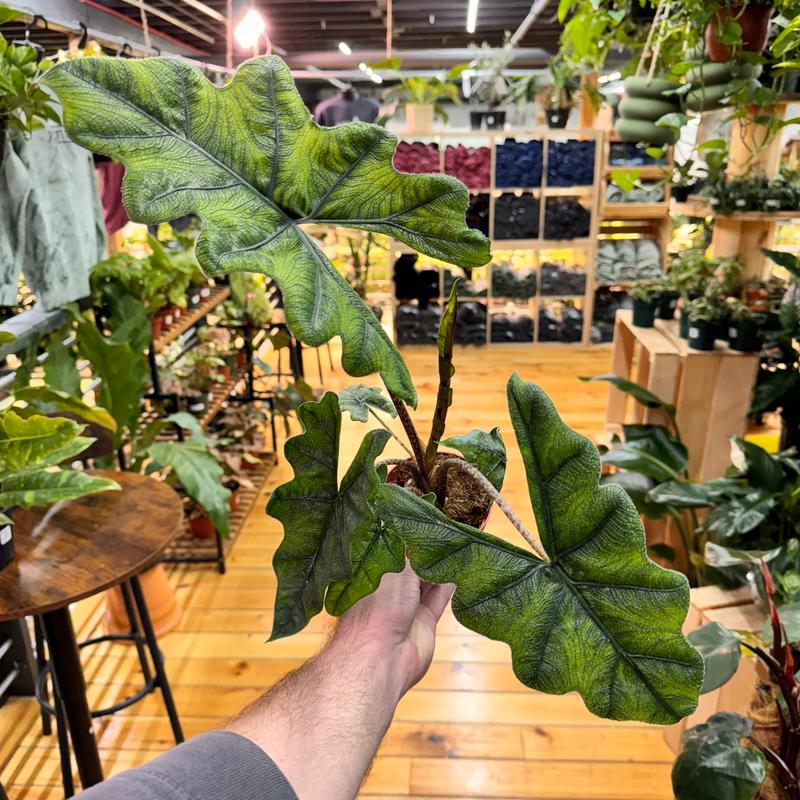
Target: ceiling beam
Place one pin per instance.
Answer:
(157, 12)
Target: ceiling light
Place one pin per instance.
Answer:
(375, 77)
(249, 30)
(362, 66)
(472, 16)
(345, 48)
(431, 19)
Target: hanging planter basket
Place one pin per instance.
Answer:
(754, 21)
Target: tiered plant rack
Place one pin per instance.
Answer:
(241, 387)
(588, 195)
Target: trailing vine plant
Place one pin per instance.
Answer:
(580, 604)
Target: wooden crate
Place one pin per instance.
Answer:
(734, 609)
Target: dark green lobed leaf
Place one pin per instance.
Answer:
(358, 399)
(721, 654)
(485, 451)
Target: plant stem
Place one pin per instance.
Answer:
(392, 433)
(474, 473)
(444, 394)
(410, 464)
(411, 432)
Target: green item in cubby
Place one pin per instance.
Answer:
(644, 313)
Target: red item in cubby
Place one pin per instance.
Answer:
(416, 157)
(471, 165)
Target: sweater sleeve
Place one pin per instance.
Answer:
(220, 765)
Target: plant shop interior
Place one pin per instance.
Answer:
(400, 399)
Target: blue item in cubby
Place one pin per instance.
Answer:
(570, 163)
(518, 164)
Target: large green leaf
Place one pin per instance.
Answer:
(40, 489)
(721, 654)
(251, 163)
(599, 618)
(685, 494)
(762, 470)
(60, 370)
(358, 399)
(714, 765)
(789, 615)
(323, 520)
(51, 399)
(122, 372)
(485, 451)
(31, 442)
(200, 475)
(643, 396)
(740, 515)
(657, 454)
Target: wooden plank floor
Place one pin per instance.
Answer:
(469, 730)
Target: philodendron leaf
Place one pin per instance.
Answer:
(637, 392)
(485, 451)
(714, 765)
(36, 441)
(250, 162)
(721, 654)
(324, 521)
(358, 399)
(40, 489)
(599, 618)
(789, 615)
(61, 401)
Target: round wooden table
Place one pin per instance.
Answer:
(74, 550)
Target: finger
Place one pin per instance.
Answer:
(436, 596)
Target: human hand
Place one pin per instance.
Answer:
(398, 622)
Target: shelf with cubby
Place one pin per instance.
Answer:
(537, 183)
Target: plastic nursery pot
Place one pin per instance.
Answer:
(397, 477)
(201, 527)
(702, 334)
(683, 325)
(557, 117)
(251, 466)
(644, 314)
(476, 120)
(495, 120)
(743, 336)
(6, 545)
(754, 21)
(667, 305)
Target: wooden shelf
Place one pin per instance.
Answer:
(191, 317)
(626, 211)
(542, 244)
(700, 207)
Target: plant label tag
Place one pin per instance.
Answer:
(694, 332)
(732, 333)
(5, 534)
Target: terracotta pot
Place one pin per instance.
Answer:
(234, 501)
(176, 312)
(225, 372)
(202, 527)
(156, 326)
(250, 466)
(162, 604)
(396, 478)
(754, 20)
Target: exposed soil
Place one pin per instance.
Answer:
(465, 500)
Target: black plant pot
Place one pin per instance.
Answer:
(743, 336)
(6, 545)
(721, 330)
(495, 120)
(702, 334)
(644, 314)
(667, 305)
(683, 325)
(642, 13)
(681, 193)
(476, 120)
(557, 117)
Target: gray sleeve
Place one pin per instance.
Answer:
(216, 766)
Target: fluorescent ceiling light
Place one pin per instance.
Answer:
(249, 30)
(345, 48)
(472, 15)
(375, 77)
(362, 66)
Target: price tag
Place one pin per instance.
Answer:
(5, 534)
(694, 332)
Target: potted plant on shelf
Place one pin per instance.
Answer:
(558, 98)
(490, 88)
(199, 370)
(704, 315)
(555, 600)
(243, 427)
(646, 297)
(667, 299)
(421, 97)
(742, 326)
(522, 92)
(736, 29)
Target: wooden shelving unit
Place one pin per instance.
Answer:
(191, 317)
(587, 195)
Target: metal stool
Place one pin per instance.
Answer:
(143, 637)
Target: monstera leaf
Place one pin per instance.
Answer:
(599, 617)
(485, 451)
(323, 520)
(251, 163)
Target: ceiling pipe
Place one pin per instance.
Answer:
(204, 9)
(536, 10)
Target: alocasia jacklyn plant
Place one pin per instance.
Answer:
(586, 611)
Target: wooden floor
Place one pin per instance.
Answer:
(468, 730)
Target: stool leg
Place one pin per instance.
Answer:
(63, 747)
(220, 552)
(70, 686)
(130, 610)
(41, 661)
(158, 660)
